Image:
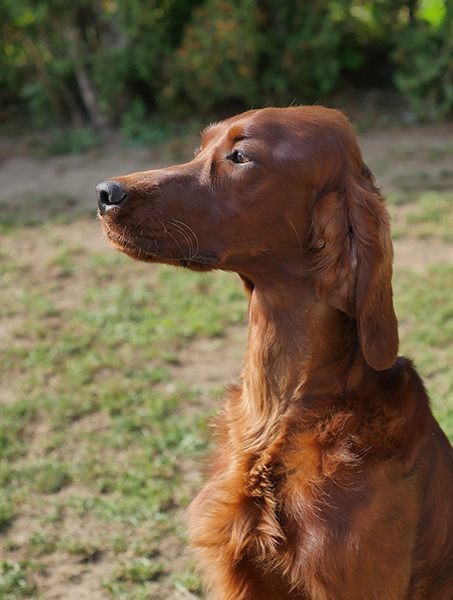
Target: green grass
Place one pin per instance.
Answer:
(98, 431)
(7, 513)
(98, 441)
(433, 215)
(425, 214)
(425, 309)
(16, 581)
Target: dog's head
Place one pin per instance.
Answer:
(270, 194)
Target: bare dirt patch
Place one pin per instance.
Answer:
(66, 578)
(62, 185)
(212, 362)
(410, 157)
(418, 254)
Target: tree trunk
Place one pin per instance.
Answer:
(86, 86)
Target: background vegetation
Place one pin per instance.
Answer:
(104, 62)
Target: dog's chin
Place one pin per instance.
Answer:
(133, 251)
(126, 246)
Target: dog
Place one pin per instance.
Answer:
(332, 480)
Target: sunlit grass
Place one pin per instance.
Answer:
(424, 305)
(427, 214)
(16, 580)
(113, 434)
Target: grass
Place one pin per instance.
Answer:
(98, 438)
(425, 310)
(433, 215)
(98, 433)
(425, 214)
(15, 580)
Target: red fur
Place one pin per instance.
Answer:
(332, 479)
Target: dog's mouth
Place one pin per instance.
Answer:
(134, 249)
(131, 249)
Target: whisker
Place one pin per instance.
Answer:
(185, 236)
(174, 239)
(193, 233)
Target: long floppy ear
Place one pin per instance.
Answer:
(352, 266)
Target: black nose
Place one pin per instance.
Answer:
(110, 193)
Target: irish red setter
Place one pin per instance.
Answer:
(332, 479)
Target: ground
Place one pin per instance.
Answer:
(109, 367)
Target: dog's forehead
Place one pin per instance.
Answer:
(232, 129)
(307, 133)
(263, 125)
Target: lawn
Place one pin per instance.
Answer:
(101, 434)
(98, 441)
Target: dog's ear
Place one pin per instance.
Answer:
(352, 256)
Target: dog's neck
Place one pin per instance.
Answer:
(291, 336)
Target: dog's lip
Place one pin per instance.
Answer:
(127, 245)
(209, 260)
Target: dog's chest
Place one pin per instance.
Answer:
(301, 527)
(303, 499)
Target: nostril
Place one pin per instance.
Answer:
(103, 197)
(110, 193)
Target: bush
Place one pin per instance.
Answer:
(217, 59)
(424, 58)
(301, 56)
(138, 129)
(88, 63)
(256, 53)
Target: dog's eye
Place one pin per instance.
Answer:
(238, 157)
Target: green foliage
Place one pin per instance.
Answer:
(217, 58)
(75, 141)
(87, 63)
(139, 129)
(424, 58)
(433, 12)
(301, 49)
